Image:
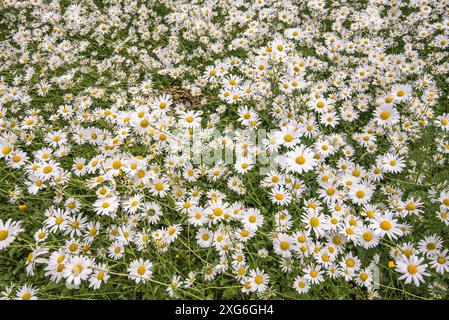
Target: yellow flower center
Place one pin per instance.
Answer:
(384, 115)
(314, 222)
(77, 269)
(288, 137)
(159, 186)
(116, 164)
(141, 270)
(47, 169)
(3, 234)
(367, 236)
(360, 194)
(350, 263)
(73, 247)
(300, 160)
(385, 225)
(363, 276)
(284, 245)
(26, 296)
(144, 123)
(218, 212)
(412, 269)
(279, 197)
(6, 150)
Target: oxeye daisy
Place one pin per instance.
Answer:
(159, 187)
(259, 280)
(301, 159)
(190, 279)
(47, 170)
(368, 238)
(283, 245)
(401, 92)
(72, 205)
(444, 199)
(329, 192)
(386, 115)
(392, 163)
(9, 230)
(364, 278)
(386, 224)
(116, 250)
(27, 292)
(140, 270)
(243, 165)
(217, 210)
(283, 220)
(77, 269)
(361, 194)
(443, 121)
(98, 277)
(252, 219)
(106, 206)
(204, 237)
(17, 159)
(315, 222)
(440, 261)
(190, 119)
(273, 139)
(133, 204)
(288, 136)
(280, 196)
(430, 245)
(412, 269)
(313, 274)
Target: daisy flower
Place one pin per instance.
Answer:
(386, 224)
(27, 292)
(301, 285)
(440, 261)
(9, 230)
(140, 270)
(392, 163)
(386, 115)
(361, 194)
(283, 245)
(280, 196)
(313, 274)
(252, 219)
(77, 269)
(315, 222)
(300, 159)
(412, 269)
(258, 279)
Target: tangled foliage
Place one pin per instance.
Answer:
(224, 149)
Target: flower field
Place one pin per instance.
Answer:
(216, 149)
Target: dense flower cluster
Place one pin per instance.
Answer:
(335, 114)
